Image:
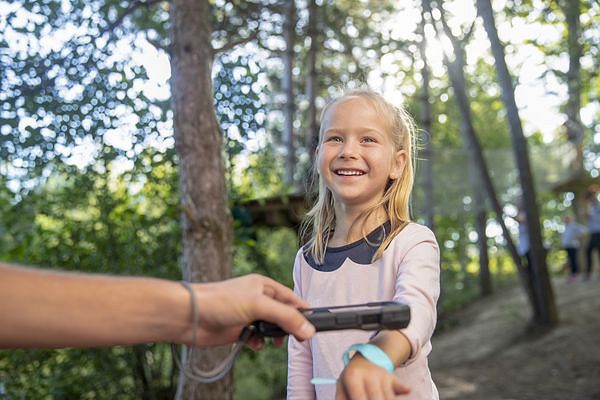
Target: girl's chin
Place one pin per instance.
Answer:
(356, 201)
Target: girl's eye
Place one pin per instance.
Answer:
(368, 139)
(336, 139)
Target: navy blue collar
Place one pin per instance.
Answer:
(360, 252)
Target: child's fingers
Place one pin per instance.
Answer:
(392, 388)
(256, 343)
(350, 387)
(374, 390)
(398, 387)
(278, 341)
(340, 393)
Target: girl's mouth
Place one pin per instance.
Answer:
(349, 172)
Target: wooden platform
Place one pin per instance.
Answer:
(278, 211)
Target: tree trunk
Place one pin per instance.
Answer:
(289, 34)
(485, 278)
(312, 134)
(426, 126)
(574, 126)
(463, 259)
(539, 270)
(572, 11)
(206, 219)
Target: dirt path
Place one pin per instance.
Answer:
(491, 354)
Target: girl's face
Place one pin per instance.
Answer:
(356, 157)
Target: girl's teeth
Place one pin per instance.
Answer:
(340, 172)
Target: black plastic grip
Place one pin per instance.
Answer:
(368, 317)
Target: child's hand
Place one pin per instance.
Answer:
(363, 380)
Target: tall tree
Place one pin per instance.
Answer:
(312, 82)
(572, 11)
(206, 218)
(574, 126)
(479, 208)
(289, 34)
(426, 126)
(542, 286)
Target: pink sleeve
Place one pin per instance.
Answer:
(418, 285)
(299, 355)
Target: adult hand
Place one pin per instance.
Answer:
(226, 307)
(363, 380)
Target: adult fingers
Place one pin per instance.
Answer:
(281, 293)
(285, 316)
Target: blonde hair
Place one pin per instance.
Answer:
(319, 222)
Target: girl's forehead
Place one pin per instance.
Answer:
(351, 100)
(356, 113)
(349, 109)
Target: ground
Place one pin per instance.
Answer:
(492, 353)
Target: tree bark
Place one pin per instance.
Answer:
(312, 135)
(574, 126)
(543, 292)
(206, 219)
(479, 209)
(572, 11)
(426, 126)
(289, 34)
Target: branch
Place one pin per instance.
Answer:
(445, 25)
(469, 34)
(235, 43)
(137, 4)
(158, 45)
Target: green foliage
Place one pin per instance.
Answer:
(263, 375)
(62, 86)
(95, 222)
(84, 374)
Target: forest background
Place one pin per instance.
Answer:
(95, 173)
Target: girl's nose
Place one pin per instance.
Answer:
(348, 150)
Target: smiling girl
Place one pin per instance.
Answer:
(364, 248)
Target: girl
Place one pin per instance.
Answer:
(364, 248)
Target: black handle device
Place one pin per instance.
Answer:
(369, 317)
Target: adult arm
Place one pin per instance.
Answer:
(48, 309)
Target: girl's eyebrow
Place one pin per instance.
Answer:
(362, 130)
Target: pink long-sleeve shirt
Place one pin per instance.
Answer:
(408, 272)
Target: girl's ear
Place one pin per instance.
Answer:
(398, 164)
